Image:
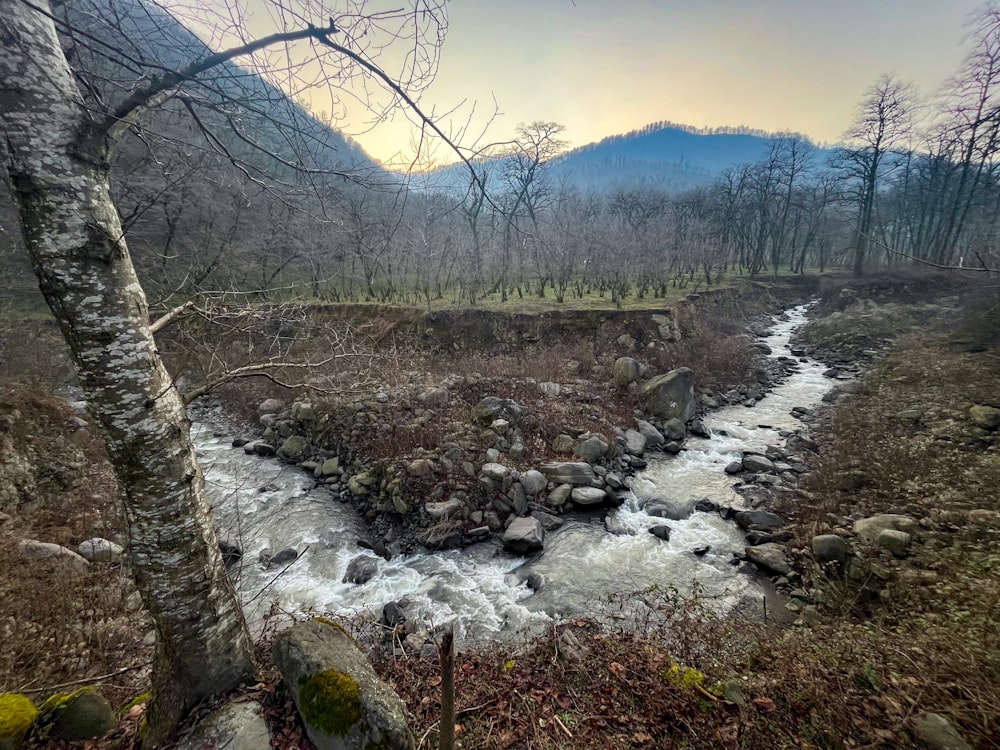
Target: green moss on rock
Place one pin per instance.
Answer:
(81, 715)
(331, 701)
(17, 714)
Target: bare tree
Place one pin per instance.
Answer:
(882, 127)
(59, 136)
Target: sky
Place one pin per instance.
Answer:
(603, 67)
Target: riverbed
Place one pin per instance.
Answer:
(263, 504)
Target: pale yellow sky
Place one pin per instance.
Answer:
(602, 67)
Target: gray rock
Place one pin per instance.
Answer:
(85, 715)
(294, 449)
(235, 726)
(671, 395)
(896, 542)
(330, 467)
(360, 570)
(674, 429)
(662, 531)
(492, 408)
(444, 510)
(524, 535)
(937, 733)
(434, 397)
(734, 467)
(282, 558)
(343, 704)
(270, 406)
(420, 467)
(588, 495)
(985, 417)
(591, 449)
(770, 557)
(699, 429)
(675, 510)
(53, 553)
(625, 371)
(760, 519)
(830, 548)
(558, 497)
(869, 528)
(550, 389)
(533, 482)
(563, 443)
(635, 442)
(755, 463)
(569, 472)
(494, 471)
(518, 499)
(653, 436)
(100, 550)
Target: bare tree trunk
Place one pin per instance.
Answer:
(74, 236)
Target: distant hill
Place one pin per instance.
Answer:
(664, 155)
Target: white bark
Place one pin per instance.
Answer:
(58, 175)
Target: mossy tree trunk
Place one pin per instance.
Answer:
(57, 169)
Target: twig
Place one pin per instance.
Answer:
(562, 726)
(85, 681)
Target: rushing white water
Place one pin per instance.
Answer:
(261, 503)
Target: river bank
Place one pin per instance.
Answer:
(868, 665)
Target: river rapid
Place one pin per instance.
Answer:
(261, 503)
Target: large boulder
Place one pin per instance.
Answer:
(829, 548)
(81, 715)
(343, 704)
(591, 449)
(625, 371)
(653, 436)
(235, 726)
(54, 553)
(533, 482)
(569, 472)
(758, 464)
(635, 442)
(294, 449)
(524, 535)
(770, 557)
(588, 495)
(100, 550)
(760, 519)
(672, 395)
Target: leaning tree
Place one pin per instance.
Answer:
(61, 124)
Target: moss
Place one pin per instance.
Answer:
(17, 714)
(140, 699)
(685, 677)
(330, 701)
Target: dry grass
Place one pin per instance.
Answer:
(59, 626)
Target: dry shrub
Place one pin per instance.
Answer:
(59, 625)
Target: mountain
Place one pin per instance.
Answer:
(664, 155)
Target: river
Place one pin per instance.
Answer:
(260, 503)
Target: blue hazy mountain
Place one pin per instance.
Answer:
(666, 155)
